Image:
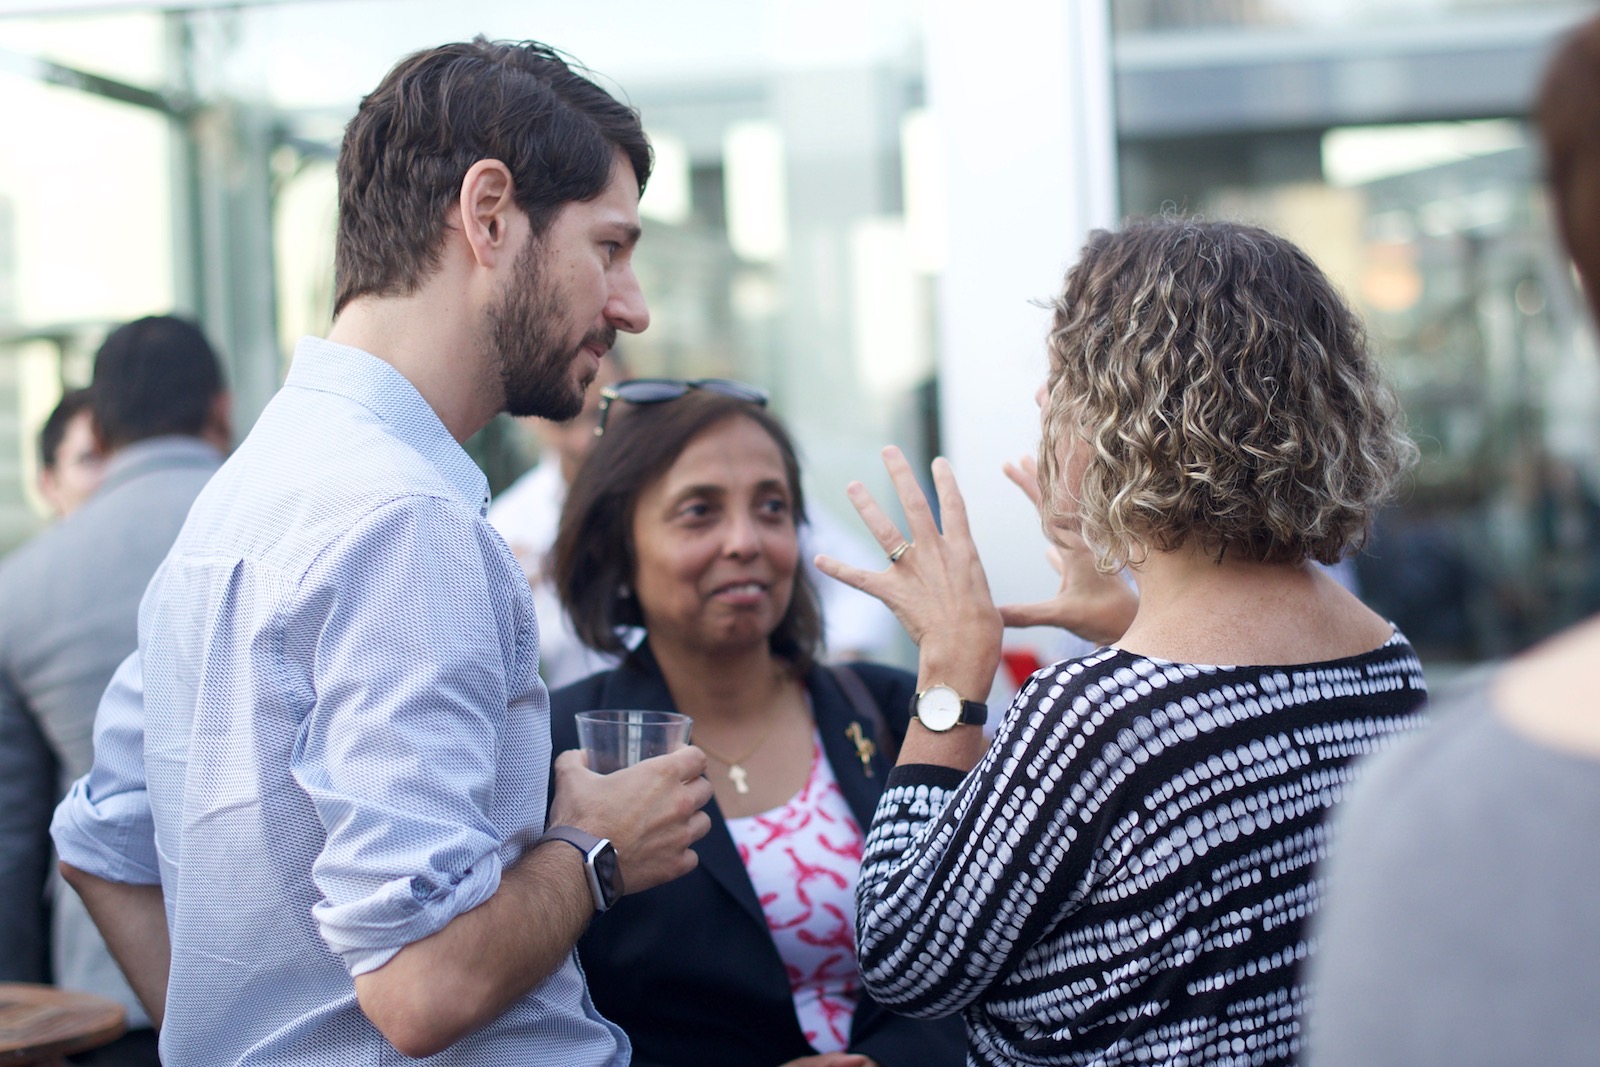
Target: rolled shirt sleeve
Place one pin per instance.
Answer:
(400, 753)
(103, 825)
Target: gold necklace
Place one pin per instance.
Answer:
(736, 772)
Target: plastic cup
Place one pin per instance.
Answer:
(616, 739)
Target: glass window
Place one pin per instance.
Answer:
(785, 238)
(1177, 16)
(1436, 232)
(86, 223)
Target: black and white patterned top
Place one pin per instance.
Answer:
(1127, 875)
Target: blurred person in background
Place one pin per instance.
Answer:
(70, 468)
(315, 830)
(528, 512)
(1462, 922)
(70, 462)
(684, 523)
(1126, 873)
(69, 609)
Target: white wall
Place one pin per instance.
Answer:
(1020, 95)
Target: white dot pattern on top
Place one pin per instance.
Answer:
(343, 738)
(803, 859)
(1126, 876)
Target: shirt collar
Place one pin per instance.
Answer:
(159, 453)
(363, 378)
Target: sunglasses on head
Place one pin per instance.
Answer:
(661, 390)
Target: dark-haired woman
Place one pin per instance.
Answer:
(682, 524)
(1125, 875)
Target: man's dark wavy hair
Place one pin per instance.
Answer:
(436, 114)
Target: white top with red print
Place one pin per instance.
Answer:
(803, 859)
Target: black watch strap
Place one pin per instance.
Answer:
(599, 863)
(973, 713)
(940, 708)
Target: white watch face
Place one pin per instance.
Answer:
(939, 708)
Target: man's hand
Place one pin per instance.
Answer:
(651, 812)
(1097, 607)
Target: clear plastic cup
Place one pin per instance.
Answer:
(616, 739)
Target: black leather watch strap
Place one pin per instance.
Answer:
(940, 708)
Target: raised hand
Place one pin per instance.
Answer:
(935, 583)
(1097, 607)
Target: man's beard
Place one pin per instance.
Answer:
(534, 361)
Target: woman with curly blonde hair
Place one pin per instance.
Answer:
(1125, 874)
(1223, 395)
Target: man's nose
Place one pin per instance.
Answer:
(626, 309)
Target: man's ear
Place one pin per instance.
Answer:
(488, 205)
(101, 445)
(219, 422)
(49, 489)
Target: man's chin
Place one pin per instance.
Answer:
(555, 405)
(574, 408)
(547, 396)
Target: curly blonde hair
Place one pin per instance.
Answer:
(1222, 395)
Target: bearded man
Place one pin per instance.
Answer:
(312, 834)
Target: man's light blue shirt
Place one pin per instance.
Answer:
(333, 737)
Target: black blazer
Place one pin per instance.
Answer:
(688, 968)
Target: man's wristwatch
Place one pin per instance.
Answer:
(599, 863)
(941, 708)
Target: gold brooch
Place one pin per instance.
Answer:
(864, 746)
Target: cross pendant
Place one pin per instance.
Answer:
(740, 778)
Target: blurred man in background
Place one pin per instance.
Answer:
(70, 468)
(70, 463)
(69, 607)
